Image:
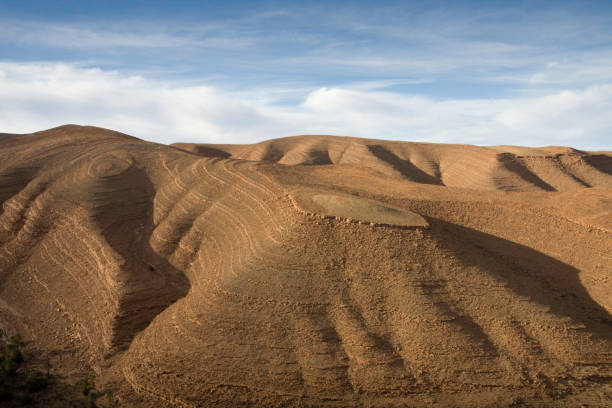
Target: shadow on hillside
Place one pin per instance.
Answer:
(601, 162)
(404, 167)
(528, 273)
(126, 219)
(509, 162)
(208, 151)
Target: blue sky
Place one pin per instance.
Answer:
(529, 73)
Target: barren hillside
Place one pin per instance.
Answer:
(506, 168)
(310, 271)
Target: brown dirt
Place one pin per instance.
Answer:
(310, 271)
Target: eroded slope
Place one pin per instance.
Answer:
(506, 168)
(193, 281)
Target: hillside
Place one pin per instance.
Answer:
(506, 168)
(310, 271)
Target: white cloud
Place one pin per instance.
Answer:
(38, 96)
(126, 35)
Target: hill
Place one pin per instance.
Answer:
(310, 271)
(505, 168)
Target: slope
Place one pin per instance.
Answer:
(194, 281)
(506, 168)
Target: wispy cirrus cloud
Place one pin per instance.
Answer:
(326, 46)
(443, 72)
(124, 35)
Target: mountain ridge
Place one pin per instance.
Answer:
(507, 168)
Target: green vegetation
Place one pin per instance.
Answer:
(87, 387)
(16, 384)
(19, 386)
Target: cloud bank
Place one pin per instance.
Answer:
(36, 96)
(454, 72)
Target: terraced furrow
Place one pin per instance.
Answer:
(553, 172)
(213, 281)
(521, 169)
(373, 363)
(320, 355)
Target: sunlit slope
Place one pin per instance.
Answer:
(506, 168)
(195, 281)
(76, 215)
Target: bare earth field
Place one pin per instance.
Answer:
(310, 271)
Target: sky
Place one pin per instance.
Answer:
(531, 73)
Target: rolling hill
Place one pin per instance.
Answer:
(310, 271)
